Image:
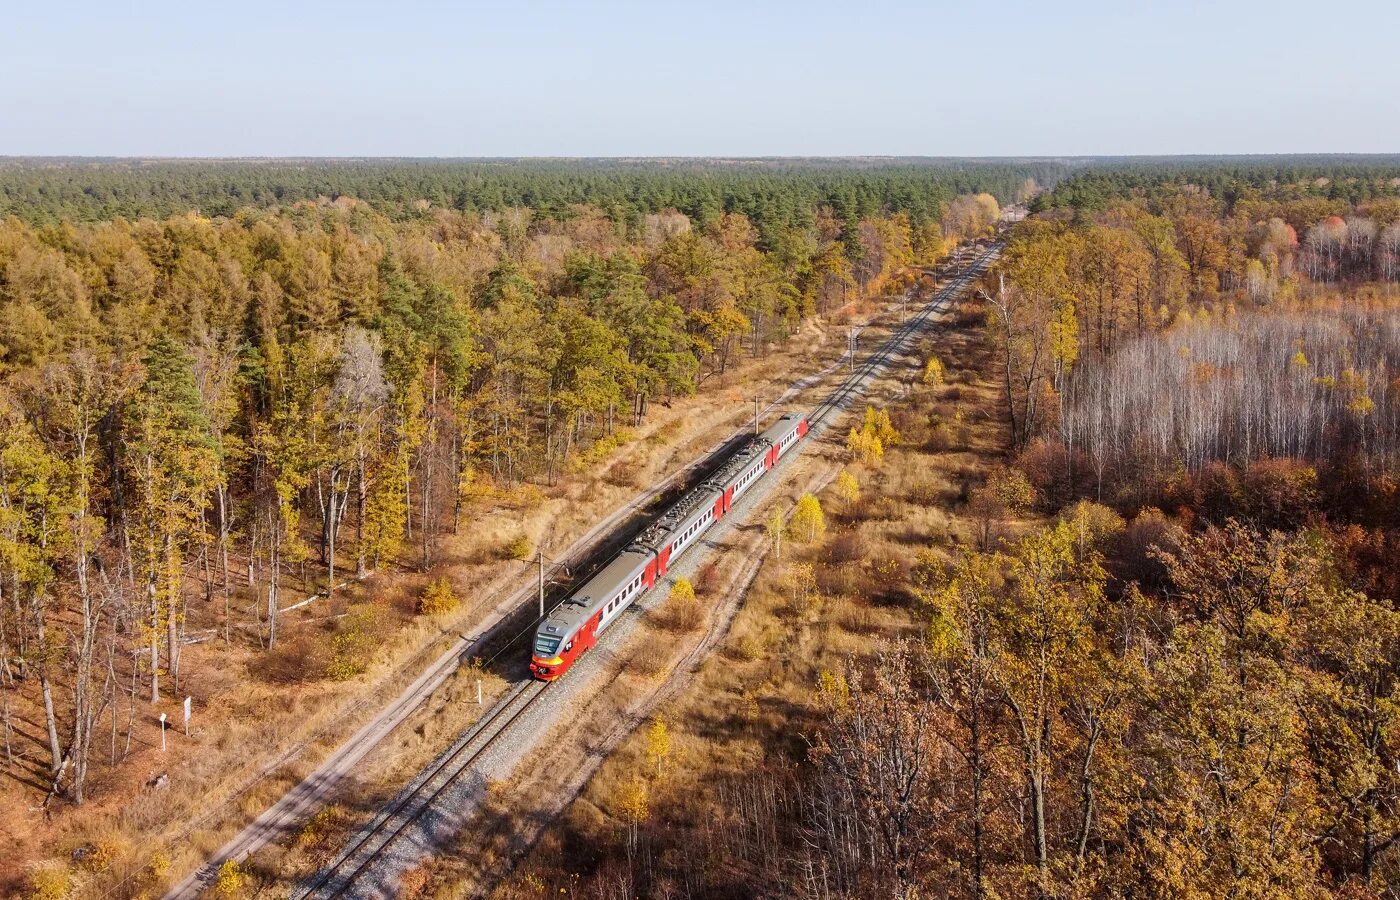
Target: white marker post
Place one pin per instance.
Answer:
(478, 692)
(162, 732)
(187, 715)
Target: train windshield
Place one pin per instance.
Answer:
(545, 645)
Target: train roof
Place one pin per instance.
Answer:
(565, 618)
(699, 498)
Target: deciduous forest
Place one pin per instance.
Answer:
(1102, 603)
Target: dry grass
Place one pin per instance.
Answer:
(679, 615)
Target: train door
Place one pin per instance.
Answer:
(588, 634)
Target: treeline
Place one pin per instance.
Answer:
(774, 194)
(204, 408)
(1349, 179)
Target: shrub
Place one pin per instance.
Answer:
(623, 473)
(354, 643)
(1221, 496)
(1047, 465)
(438, 598)
(1281, 492)
(519, 547)
(231, 881)
(926, 493)
(158, 865)
(941, 437)
(414, 883)
(708, 578)
(746, 648)
(49, 883)
(848, 547)
(523, 496)
(681, 612)
(1006, 494)
(99, 855)
(1094, 525)
(645, 664)
(318, 828)
(1149, 532)
(302, 657)
(682, 591)
(601, 449)
(1007, 489)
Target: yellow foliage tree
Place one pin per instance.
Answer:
(877, 422)
(519, 547)
(808, 521)
(635, 807)
(232, 879)
(847, 486)
(802, 581)
(50, 883)
(865, 447)
(1093, 525)
(775, 526)
(934, 373)
(658, 743)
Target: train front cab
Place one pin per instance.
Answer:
(553, 656)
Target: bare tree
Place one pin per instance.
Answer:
(879, 750)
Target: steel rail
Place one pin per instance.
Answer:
(415, 802)
(896, 340)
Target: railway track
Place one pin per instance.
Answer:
(417, 800)
(895, 342)
(369, 846)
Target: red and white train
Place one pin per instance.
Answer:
(573, 626)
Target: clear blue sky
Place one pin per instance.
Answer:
(315, 77)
